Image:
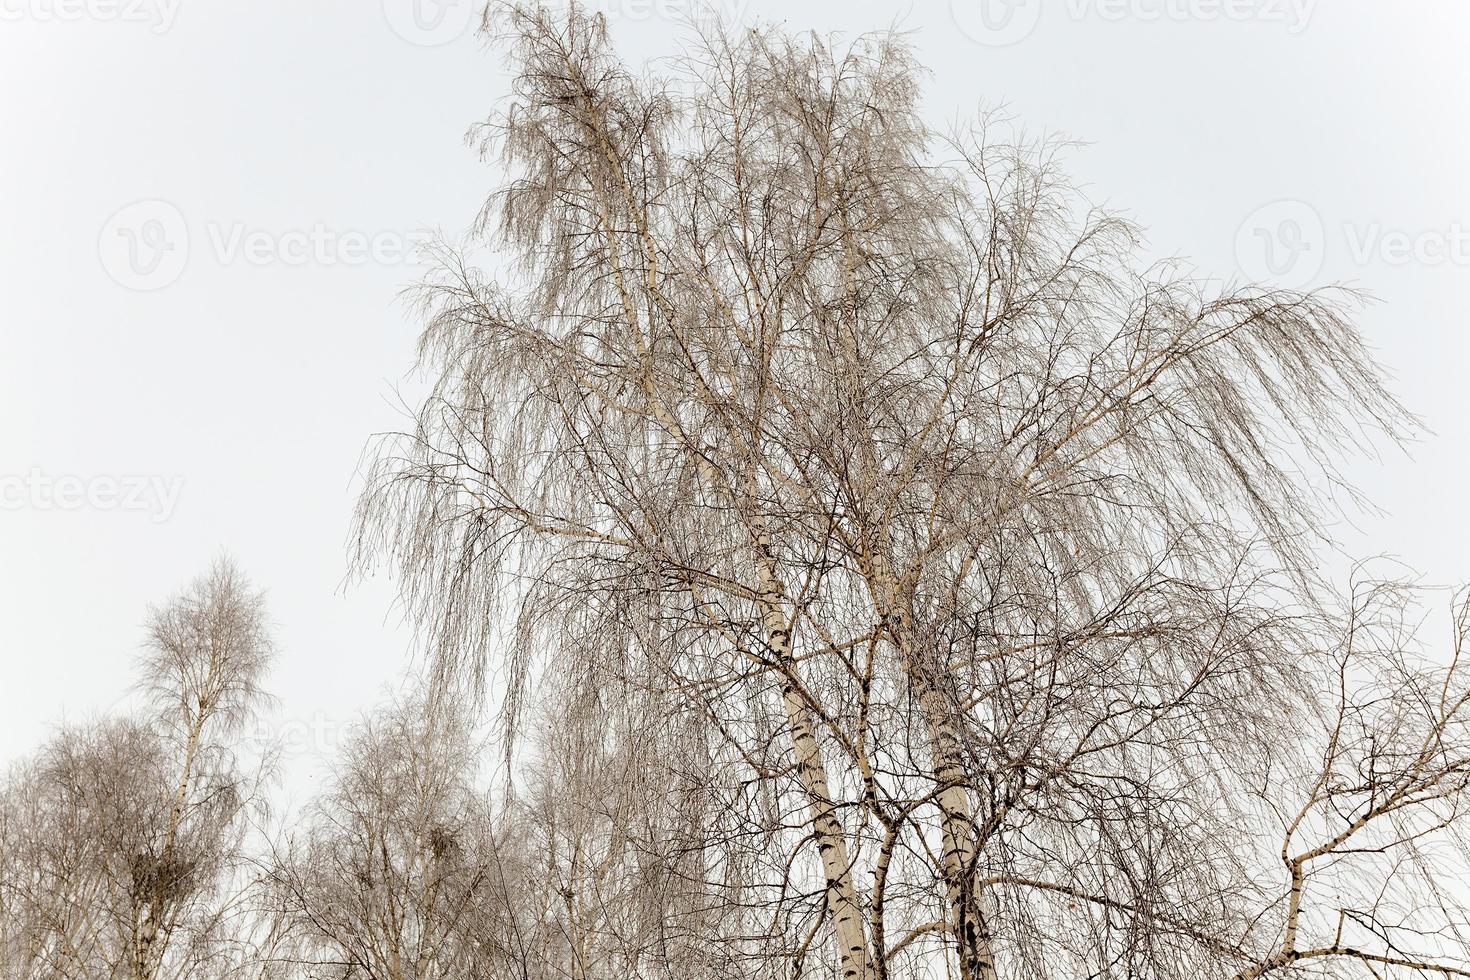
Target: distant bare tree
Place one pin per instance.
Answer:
(87, 813)
(123, 837)
(395, 875)
(613, 828)
(207, 652)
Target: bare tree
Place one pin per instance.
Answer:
(207, 652)
(615, 824)
(396, 873)
(123, 838)
(985, 557)
(1371, 830)
(85, 815)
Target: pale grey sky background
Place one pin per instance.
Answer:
(207, 211)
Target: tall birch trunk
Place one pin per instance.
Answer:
(842, 901)
(967, 918)
(144, 967)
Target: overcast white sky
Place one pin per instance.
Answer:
(205, 207)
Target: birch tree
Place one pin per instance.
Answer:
(976, 558)
(614, 823)
(395, 874)
(123, 837)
